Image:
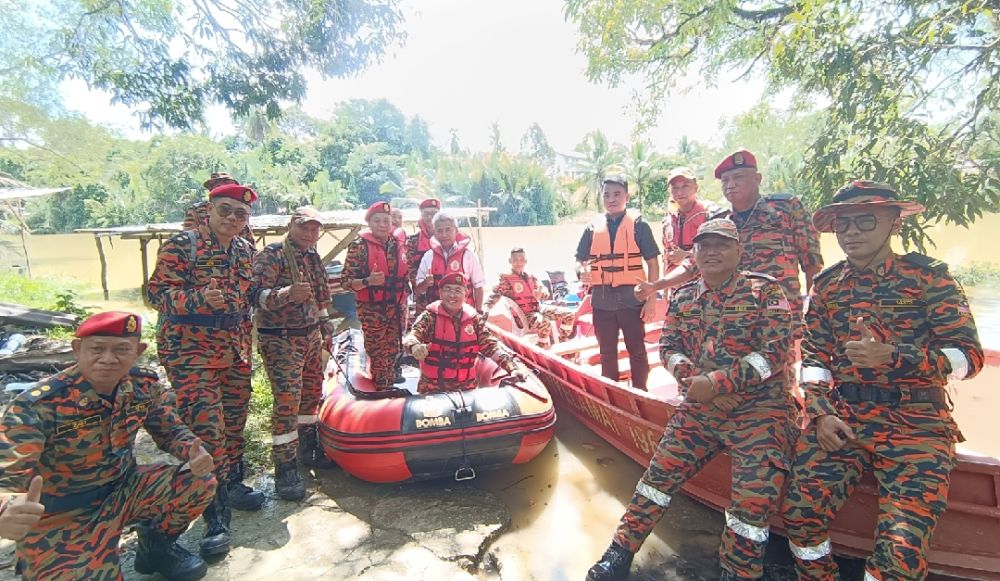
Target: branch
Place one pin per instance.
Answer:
(776, 13)
(42, 147)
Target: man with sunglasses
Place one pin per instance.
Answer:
(884, 334)
(777, 237)
(197, 215)
(203, 288)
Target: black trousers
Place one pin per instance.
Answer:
(629, 322)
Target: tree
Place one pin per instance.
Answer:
(496, 144)
(598, 157)
(642, 165)
(169, 60)
(905, 88)
(536, 145)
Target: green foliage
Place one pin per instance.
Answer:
(40, 292)
(258, 428)
(902, 92)
(168, 60)
(66, 302)
(978, 274)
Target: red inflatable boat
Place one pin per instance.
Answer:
(396, 435)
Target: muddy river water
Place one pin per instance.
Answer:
(564, 505)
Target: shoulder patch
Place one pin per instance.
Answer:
(761, 275)
(692, 282)
(142, 371)
(780, 197)
(718, 213)
(826, 272)
(43, 389)
(925, 261)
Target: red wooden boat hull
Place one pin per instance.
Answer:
(419, 437)
(965, 544)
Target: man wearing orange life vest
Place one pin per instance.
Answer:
(448, 338)
(449, 253)
(680, 228)
(525, 290)
(375, 269)
(616, 251)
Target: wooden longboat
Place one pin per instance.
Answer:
(967, 540)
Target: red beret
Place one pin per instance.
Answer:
(430, 203)
(453, 278)
(111, 323)
(377, 208)
(240, 193)
(736, 160)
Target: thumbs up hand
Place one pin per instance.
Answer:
(199, 460)
(23, 513)
(376, 278)
(214, 295)
(869, 351)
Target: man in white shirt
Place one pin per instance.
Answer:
(447, 255)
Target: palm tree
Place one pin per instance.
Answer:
(598, 158)
(642, 165)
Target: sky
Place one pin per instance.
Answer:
(469, 63)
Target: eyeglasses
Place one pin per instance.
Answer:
(225, 210)
(864, 223)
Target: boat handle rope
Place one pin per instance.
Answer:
(465, 471)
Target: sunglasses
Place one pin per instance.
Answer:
(225, 210)
(864, 223)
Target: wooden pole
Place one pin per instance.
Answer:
(144, 252)
(104, 267)
(18, 213)
(479, 232)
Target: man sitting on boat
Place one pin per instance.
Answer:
(525, 290)
(450, 253)
(884, 334)
(449, 336)
(725, 338)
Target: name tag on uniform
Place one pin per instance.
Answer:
(689, 313)
(211, 262)
(89, 421)
(140, 407)
(902, 303)
(738, 309)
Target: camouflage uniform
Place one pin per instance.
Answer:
(206, 352)
(197, 215)
(738, 335)
(423, 332)
(900, 414)
(539, 315)
(778, 238)
(416, 246)
(381, 321)
(81, 444)
(290, 340)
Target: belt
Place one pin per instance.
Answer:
(214, 321)
(67, 502)
(855, 393)
(283, 332)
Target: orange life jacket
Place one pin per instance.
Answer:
(621, 266)
(393, 290)
(524, 292)
(452, 353)
(454, 263)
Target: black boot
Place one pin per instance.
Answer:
(614, 565)
(217, 517)
(159, 552)
(399, 376)
(288, 482)
(727, 575)
(310, 452)
(241, 496)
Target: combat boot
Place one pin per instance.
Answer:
(727, 575)
(217, 517)
(160, 553)
(613, 566)
(241, 496)
(288, 482)
(310, 452)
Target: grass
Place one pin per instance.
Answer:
(978, 274)
(258, 431)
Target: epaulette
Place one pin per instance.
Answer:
(142, 371)
(779, 197)
(274, 246)
(924, 261)
(829, 270)
(691, 282)
(752, 274)
(43, 389)
(718, 213)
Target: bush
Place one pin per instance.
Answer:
(979, 274)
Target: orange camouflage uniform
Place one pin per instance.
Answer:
(539, 315)
(737, 335)
(81, 444)
(290, 339)
(205, 351)
(900, 414)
